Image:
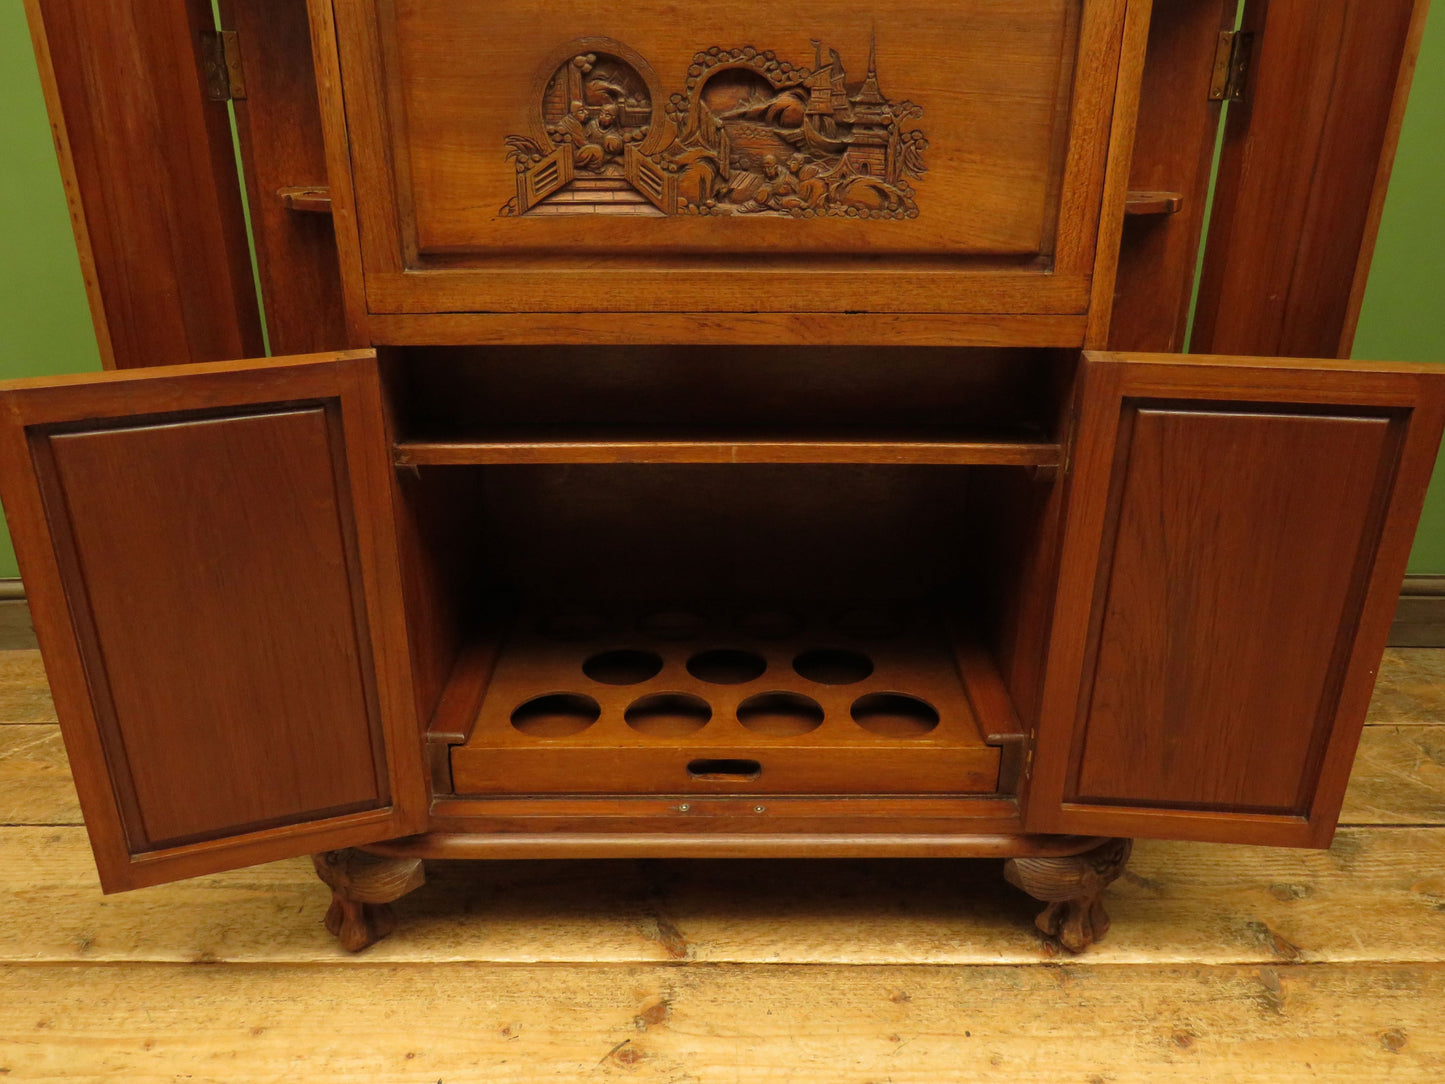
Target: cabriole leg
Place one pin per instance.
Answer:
(1073, 889)
(363, 887)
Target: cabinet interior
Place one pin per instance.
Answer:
(694, 571)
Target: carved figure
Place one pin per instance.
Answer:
(604, 132)
(812, 189)
(767, 189)
(698, 171)
(578, 129)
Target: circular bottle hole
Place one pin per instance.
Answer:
(668, 715)
(867, 623)
(726, 666)
(573, 625)
(894, 715)
(833, 666)
(556, 715)
(780, 714)
(769, 624)
(624, 666)
(672, 624)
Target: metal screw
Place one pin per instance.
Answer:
(683, 808)
(760, 809)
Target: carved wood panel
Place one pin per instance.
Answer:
(751, 133)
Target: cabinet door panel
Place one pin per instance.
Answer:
(1236, 538)
(209, 560)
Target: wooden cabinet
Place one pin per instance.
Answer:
(727, 478)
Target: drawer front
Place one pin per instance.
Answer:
(576, 157)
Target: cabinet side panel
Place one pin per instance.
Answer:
(1241, 546)
(220, 546)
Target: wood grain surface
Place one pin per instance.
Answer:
(1228, 526)
(183, 493)
(636, 707)
(182, 506)
(1173, 150)
(905, 1025)
(1224, 963)
(986, 74)
(150, 176)
(1020, 92)
(278, 123)
(1305, 164)
(751, 1023)
(1232, 553)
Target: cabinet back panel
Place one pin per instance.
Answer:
(723, 531)
(1240, 545)
(825, 392)
(228, 656)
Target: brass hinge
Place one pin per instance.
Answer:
(221, 60)
(1231, 66)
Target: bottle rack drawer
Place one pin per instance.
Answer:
(721, 699)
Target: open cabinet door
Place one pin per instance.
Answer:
(210, 559)
(1236, 536)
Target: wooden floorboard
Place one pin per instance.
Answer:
(755, 1023)
(1411, 687)
(35, 783)
(1224, 964)
(24, 692)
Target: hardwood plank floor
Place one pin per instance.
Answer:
(754, 1022)
(1224, 964)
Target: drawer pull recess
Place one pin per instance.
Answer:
(725, 770)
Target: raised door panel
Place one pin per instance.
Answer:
(921, 157)
(210, 563)
(1236, 538)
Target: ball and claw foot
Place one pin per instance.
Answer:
(1073, 889)
(363, 887)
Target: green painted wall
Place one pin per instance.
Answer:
(45, 323)
(1403, 318)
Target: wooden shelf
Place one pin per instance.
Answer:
(719, 699)
(1025, 453)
